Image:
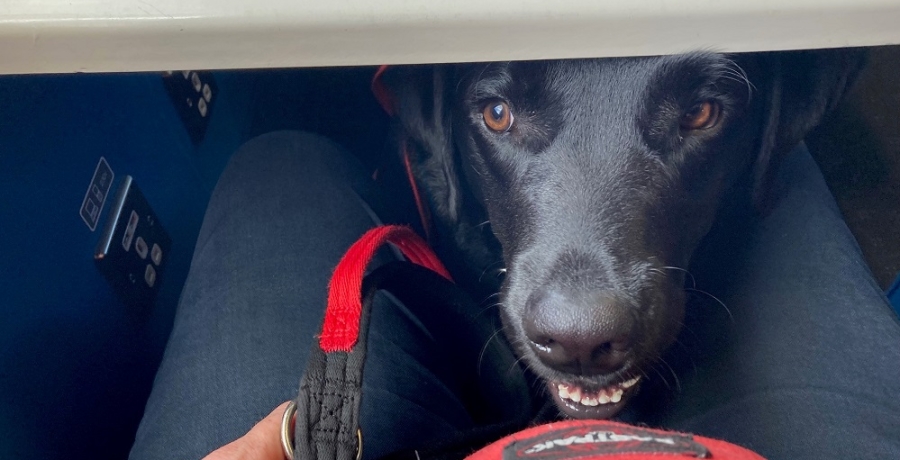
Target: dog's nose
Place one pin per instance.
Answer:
(580, 334)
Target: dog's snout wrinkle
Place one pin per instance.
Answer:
(578, 333)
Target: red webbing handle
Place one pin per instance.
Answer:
(342, 314)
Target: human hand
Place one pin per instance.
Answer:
(262, 442)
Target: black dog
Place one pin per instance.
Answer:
(593, 182)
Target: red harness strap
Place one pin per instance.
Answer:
(342, 314)
(382, 95)
(421, 206)
(340, 330)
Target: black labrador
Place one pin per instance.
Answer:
(590, 183)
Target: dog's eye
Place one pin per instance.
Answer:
(704, 115)
(497, 116)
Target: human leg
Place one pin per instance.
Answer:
(806, 361)
(283, 213)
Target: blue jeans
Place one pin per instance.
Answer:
(805, 365)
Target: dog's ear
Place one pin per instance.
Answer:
(801, 87)
(421, 98)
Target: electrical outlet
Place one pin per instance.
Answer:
(193, 94)
(132, 252)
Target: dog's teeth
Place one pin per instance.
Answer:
(616, 396)
(612, 394)
(603, 397)
(575, 394)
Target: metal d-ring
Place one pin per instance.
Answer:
(287, 433)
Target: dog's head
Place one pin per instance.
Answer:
(599, 178)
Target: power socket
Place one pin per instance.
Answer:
(193, 94)
(134, 248)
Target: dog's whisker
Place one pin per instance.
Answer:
(674, 375)
(496, 294)
(735, 77)
(693, 280)
(486, 308)
(662, 377)
(657, 271)
(683, 327)
(516, 364)
(740, 76)
(487, 343)
(699, 291)
(681, 345)
(694, 369)
(644, 374)
(744, 77)
(489, 267)
(487, 222)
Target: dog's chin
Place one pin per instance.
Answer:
(580, 402)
